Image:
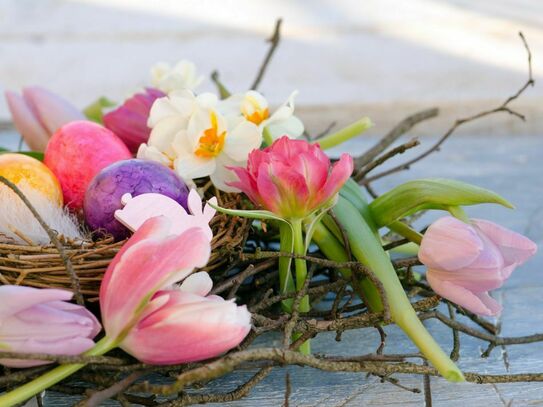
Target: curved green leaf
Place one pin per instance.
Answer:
(414, 196)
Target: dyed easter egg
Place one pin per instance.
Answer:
(77, 152)
(134, 177)
(26, 171)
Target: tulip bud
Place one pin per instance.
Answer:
(129, 121)
(36, 320)
(38, 113)
(465, 261)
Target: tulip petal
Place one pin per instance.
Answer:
(53, 110)
(514, 247)
(478, 303)
(450, 244)
(198, 283)
(341, 171)
(17, 298)
(26, 122)
(188, 331)
(68, 346)
(150, 262)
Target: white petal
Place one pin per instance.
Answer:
(191, 166)
(291, 127)
(151, 153)
(231, 105)
(243, 139)
(163, 134)
(161, 109)
(207, 100)
(222, 175)
(284, 111)
(195, 203)
(198, 283)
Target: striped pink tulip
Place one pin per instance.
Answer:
(34, 320)
(38, 113)
(129, 121)
(466, 261)
(152, 320)
(292, 178)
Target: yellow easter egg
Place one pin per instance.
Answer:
(24, 170)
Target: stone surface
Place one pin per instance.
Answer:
(385, 59)
(510, 166)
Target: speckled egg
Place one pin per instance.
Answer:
(77, 152)
(24, 170)
(136, 177)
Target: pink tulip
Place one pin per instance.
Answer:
(38, 113)
(129, 121)
(36, 320)
(158, 323)
(292, 178)
(466, 261)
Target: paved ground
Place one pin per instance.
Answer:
(511, 166)
(382, 58)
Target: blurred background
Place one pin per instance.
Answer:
(348, 58)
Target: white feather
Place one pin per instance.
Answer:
(15, 216)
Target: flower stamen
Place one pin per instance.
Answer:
(212, 142)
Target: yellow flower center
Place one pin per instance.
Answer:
(211, 142)
(258, 114)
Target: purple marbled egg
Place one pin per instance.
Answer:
(103, 196)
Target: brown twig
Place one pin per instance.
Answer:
(400, 129)
(503, 108)
(362, 172)
(274, 42)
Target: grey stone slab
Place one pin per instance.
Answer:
(513, 168)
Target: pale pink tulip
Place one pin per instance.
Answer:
(292, 178)
(152, 320)
(129, 121)
(38, 113)
(36, 320)
(466, 261)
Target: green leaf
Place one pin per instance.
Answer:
(414, 196)
(95, 111)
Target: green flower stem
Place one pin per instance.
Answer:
(331, 247)
(30, 389)
(368, 250)
(286, 282)
(301, 275)
(267, 137)
(345, 134)
(403, 230)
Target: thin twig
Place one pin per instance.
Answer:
(400, 129)
(503, 108)
(362, 172)
(274, 41)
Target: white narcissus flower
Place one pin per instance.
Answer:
(192, 137)
(253, 107)
(182, 75)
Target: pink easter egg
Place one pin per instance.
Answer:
(77, 152)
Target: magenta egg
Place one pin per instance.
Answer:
(136, 177)
(77, 152)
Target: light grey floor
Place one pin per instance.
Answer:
(510, 166)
